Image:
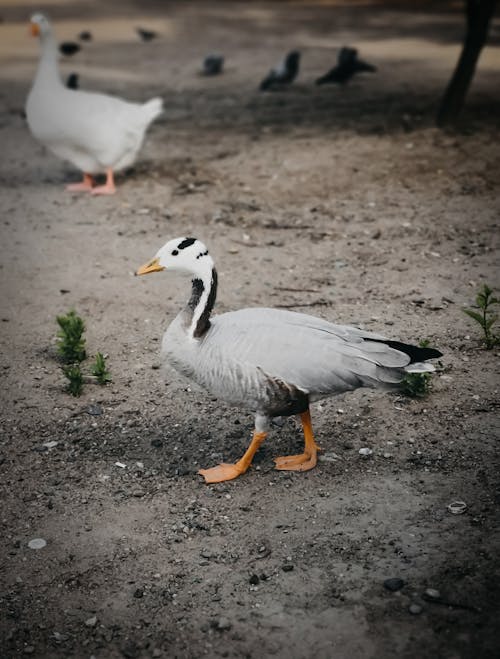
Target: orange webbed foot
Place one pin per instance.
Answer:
(227, 471)
(83, 186)
(221, 473)
(103, 190)
(302, 462)
(108, 188)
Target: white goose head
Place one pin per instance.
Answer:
(40, 26)
(189, 256)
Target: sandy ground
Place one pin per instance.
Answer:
(344, 203)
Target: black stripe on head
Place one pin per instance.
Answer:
(187, 242)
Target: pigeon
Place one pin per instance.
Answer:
(69, 48)
(283, 74)
(85, 36)
(348, 65)
(72, 81)
(212, 65)
(145, 35)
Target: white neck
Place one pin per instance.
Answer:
(47, 74)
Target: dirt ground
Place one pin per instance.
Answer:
(346, 203)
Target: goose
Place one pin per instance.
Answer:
(96, 132)
(273, 362)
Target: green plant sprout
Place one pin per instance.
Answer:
(75, 379)
(99, 369)
(485, 317)
(70, 341)
(71, 347)
(417, 385)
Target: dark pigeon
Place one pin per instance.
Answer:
(145, 35)
(72, 81)
(212, 65)
(348, 65)
(85, 36)
(69, 48)
(284, 74)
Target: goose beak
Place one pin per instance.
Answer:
(35, 29)
(150, 266)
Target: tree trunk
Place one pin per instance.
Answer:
(479, 14)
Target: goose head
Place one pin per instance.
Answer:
(40, 26)
(187, 256)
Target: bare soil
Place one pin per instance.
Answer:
(342, 202)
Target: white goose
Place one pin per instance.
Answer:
(97, 133)
(271, 361)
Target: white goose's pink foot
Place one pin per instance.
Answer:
(83, 186)
(108, 187)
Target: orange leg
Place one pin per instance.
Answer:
(108, 187)
(306, 460)
(226, 472)
(83, 186)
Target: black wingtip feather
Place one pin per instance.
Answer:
(415, 353)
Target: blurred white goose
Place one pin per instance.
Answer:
(271, 361)
(97, 133)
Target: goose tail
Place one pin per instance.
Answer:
(152, 109)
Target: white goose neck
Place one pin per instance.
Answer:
(48, 66)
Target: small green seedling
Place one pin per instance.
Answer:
(71, 344)
(75, 379)
(99, 369)
(485, 317)
(417, 385)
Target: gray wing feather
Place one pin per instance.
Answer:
(309, 353)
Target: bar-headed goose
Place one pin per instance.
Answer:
(271, 361)
(97, 133)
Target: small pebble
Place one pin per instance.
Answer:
(432, 594)
(254, 580)
(94, 410)
(222, 624)
(394, 584)
(457, 507)
(37, 543)
(415, 609)
(91, 622)
(287, 567)
(365, 451)
(138, 593)
(51, 444)
(29, 649)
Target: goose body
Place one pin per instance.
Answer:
(97, 133)
(271, 361)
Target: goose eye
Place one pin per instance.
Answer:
(174, 252)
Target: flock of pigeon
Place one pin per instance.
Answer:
(348, 64)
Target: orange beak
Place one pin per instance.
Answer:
(35, 29)
(151, 266)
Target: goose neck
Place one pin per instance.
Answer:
(200, 304)
(48, 66)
